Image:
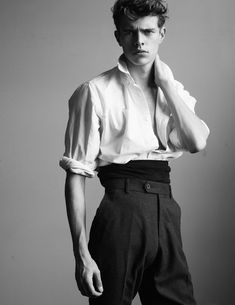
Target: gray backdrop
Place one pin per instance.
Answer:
(48, 48)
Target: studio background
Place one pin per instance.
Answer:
(48, 48)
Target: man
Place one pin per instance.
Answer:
(127, 123)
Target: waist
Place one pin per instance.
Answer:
(158, 171)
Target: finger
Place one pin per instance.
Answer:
(97, 282)
(90, 287)
(80, 285)
(81, 282)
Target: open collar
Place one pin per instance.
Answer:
(122, 67)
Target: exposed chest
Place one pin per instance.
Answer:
(150, 96)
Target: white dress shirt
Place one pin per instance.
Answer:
(110, 122)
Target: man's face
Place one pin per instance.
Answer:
(140, 39)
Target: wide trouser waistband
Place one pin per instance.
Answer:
(153, 170)
(138, 185)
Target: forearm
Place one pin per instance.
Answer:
(76, 212)
(191, 131)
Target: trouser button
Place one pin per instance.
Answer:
(147, 186)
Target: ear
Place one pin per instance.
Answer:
(162, 33)
(117, 36)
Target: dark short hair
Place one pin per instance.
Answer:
(135, 9)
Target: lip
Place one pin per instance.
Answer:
(140, 52)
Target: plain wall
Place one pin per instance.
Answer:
(48, 48)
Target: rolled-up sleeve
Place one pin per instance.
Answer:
(190, 101)
(82, 136)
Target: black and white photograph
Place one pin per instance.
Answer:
(116, 159)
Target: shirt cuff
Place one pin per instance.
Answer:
(76, 167)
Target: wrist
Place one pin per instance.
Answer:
(82, 255)
(80, 250)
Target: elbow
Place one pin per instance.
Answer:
(197, 147)
(199, 144)
(192, 143)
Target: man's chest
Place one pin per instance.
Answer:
(134, 109)
(150, 96)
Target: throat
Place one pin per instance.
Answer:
(143, 76)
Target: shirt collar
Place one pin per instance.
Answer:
(122, 67)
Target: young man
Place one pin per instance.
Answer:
(127, 123)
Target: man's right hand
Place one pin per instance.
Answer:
(88, 278)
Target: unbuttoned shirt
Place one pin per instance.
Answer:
(110, 122)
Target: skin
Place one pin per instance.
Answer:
(140, 41)
(87, 273)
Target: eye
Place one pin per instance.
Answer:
(148, 32)
(127, 32)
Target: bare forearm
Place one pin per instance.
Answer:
(76, 212)
(191, 131)
(87, 273)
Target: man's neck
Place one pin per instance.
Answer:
(142, 75)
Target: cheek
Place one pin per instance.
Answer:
(155, 45)
(126, 43)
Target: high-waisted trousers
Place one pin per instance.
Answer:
(135, 240)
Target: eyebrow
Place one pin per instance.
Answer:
(141, 29)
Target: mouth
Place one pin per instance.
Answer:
(140, 52)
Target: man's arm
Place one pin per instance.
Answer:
(191, 131)
(87, 273)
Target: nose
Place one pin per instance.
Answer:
(139, 44)
(138, 39)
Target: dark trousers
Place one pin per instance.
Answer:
(136, 241)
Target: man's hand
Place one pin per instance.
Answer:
(88, 278)
(161, 71)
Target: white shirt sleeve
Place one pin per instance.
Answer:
(82, 137)
(190, 101)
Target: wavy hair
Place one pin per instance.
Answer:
(135, 9)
